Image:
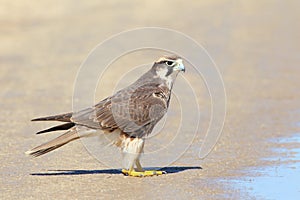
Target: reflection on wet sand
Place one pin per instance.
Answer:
(280, 180)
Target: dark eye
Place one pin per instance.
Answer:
(169, 63)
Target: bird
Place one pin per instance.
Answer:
(130, 115)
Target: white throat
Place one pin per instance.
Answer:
(162, 75)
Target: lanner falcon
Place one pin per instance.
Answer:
(130, 113)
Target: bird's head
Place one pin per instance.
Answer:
(168, 65)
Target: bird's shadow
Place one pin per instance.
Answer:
(169, 170)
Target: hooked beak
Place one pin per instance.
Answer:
(179, 66)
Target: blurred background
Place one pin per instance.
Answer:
(256, 45)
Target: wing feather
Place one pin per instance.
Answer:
(134, 110)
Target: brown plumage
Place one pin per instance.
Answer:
(131, 112)
(62, 118)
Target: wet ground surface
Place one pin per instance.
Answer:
(255, 45)
(277, 181)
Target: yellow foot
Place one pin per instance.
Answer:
(143, 173)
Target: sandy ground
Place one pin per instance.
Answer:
(256, 46)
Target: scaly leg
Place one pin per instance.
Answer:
(138, 165)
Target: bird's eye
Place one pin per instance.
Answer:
(169, 63)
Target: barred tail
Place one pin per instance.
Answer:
(62, 118)
(54, 144)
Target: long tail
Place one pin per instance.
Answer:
(55, 143)
(67, 137)
(62, 118)
(61, 127)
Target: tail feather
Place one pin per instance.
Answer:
(65, 126)
(54, 144)
(62, 117)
